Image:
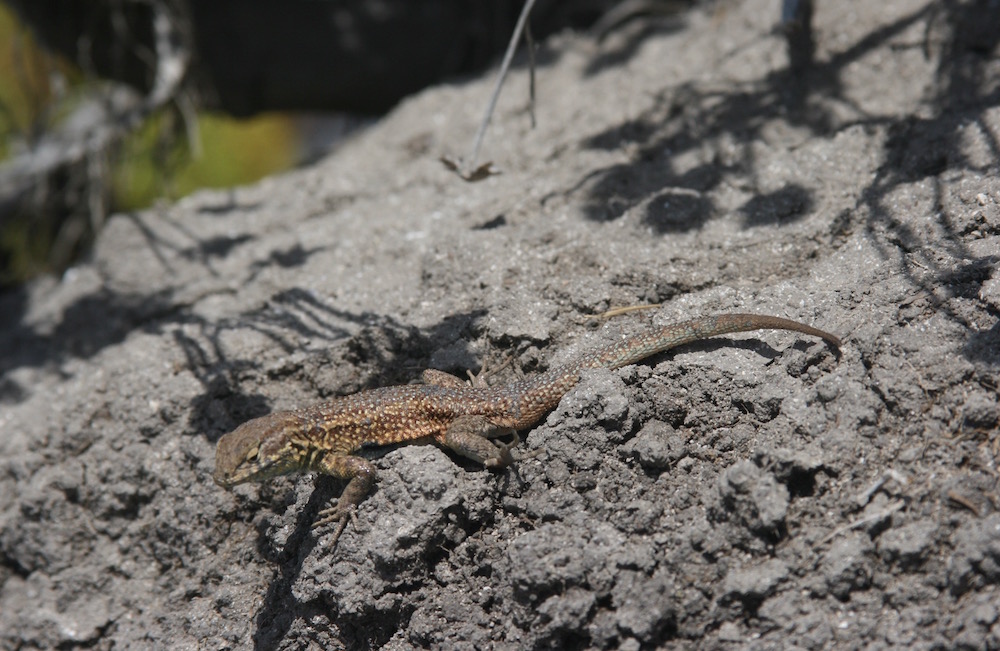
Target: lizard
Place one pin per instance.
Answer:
(445, 409)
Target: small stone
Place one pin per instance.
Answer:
(655, 446)
(754, 583)
(846, 566)
(980, 410)
(976, 559)
(907, 544)
(730, 632)
(755, 497)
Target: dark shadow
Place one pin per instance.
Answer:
(383, 351)
(985, 346)
(294, 256)
(13, 307)
(107, 316)
(790, 203)
(87, 325)
(755, 342)
(228, 206)
(920, 149)
(395, 354)
(216, 247)
(624, 49)
(796, 23)
(496, 222)
(681, 204)
(631, 131)
(689, 114)
(280, 608)
(672, 199)
(676, 212)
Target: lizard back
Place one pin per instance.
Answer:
(397, 414)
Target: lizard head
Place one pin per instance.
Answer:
(259, 449)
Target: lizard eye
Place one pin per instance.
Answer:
(252, 453)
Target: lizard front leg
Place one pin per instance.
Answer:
(361, 476)
(470, 437)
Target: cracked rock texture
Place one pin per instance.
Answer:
(750, 492)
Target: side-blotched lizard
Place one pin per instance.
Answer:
(464, 418)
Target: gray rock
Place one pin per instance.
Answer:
(754, 498)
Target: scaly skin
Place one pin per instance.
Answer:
(464, 418)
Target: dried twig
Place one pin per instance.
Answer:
(467, 169)
(868, 519)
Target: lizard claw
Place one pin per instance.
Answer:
(339, 513)
(504, 458)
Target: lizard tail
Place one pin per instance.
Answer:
(532, 399)
(634, 349)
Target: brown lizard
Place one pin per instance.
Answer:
(445, 409)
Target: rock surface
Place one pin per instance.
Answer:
(749, 492)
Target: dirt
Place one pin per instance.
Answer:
(751, 492)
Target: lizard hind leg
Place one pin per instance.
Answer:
(476, 380)
(470, 437)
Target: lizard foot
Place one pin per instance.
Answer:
(341, 514)
(504, 458)
(507, 458)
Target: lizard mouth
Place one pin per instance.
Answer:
(235, 477)
(223, 480)
(258, 471)
(229, 477)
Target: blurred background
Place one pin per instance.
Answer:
(111, 105)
